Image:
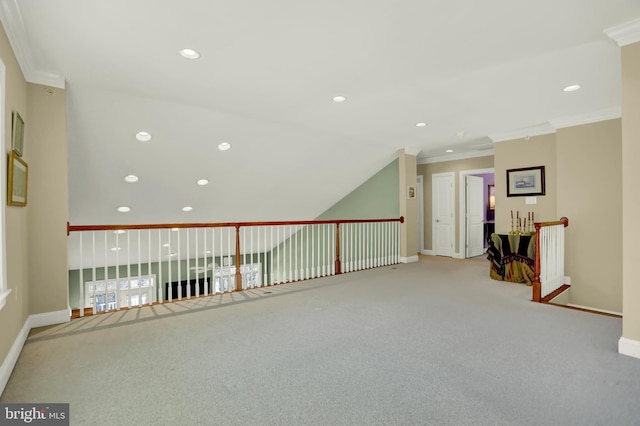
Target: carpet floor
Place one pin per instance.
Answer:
(430, 343)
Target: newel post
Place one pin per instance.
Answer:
(537, 288)
(238, 273)
(338, 266)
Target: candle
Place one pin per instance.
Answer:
(518, 214)
(511, 214)
(532, 216)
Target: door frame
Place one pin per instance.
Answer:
(452, 175)
(463, 208)
(420, 199)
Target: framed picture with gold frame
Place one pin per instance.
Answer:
(17, 134)
(18, 181)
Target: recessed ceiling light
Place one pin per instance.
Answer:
(449, 150)
(339, 99)
(203, 182)
(143, 136)
(421, 124)
(172, 254)
(124, 209)
(131, 178)
(572, 88)
(115, 248)
(119, 231)
(166, 245)
(189, 54)
(175, 229)
(187, 209)
(207, 252)
(224, 146)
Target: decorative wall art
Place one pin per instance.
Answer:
(18, 178)
(17, 134)
(526, 181)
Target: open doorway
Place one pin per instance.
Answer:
(477, 219)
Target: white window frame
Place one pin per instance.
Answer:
(4, 290)
(120, 293)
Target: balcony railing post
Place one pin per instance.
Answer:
(338, 270)
(537, 287)
(238, 273)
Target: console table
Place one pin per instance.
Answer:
(512, 257)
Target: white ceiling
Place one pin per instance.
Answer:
(265, 83)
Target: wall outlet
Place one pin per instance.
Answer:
(567, 280)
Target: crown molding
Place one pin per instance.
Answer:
(541, 129)
(411, 150)
(454, 157)
(592, 117)
(626, 33)
(14, 27)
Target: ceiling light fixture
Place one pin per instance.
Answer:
(339, 98)
(421, 124)
(202, 182)
(143, 136)
(115, 248)
(187, 209)
(131, 178)
(119, 231)
(124, 209)
(449, 150)
(175, 229)
(572, 88)
(224, 146)
(189, 54)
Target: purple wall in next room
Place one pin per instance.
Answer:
(489, 179)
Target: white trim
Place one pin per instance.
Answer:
(626, 33)
(541, 129)
(604, 311)
(462, 203)
(428, 252)
(410, 259)
(33, 321)
(454, 157)
(4, 283)
(12, 357)
(49, 318)
(592, 117)
(16, 33)
(420, 196)
(410, 150)
(629, 347)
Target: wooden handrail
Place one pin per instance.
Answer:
(77, 228)
(536, 295)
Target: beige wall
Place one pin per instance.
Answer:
(16, 311)
(589, 193)
(630, 192)
(48, 200)
(427, 170)
(408, 208)
(514, 154)
(35, 234)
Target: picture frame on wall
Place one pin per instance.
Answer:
(526, 181)
(18, 181)
(17, 134)
(411, 192)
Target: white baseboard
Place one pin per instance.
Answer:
(604, 311)
(429, 252)
(629, 347)
(411, 259)
(33, 321)
(49, 318)
(12, 357)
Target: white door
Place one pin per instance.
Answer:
(475, 216)
(443, 218)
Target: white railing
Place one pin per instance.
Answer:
(115, 267)
(549, 258)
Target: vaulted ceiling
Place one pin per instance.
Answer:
(474, 72)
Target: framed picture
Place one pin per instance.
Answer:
(527, 181)
(411, 192)
(17, 135)
(18, 178)
(492, 197)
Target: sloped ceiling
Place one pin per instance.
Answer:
(474, 72)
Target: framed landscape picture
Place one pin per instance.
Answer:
(18, 178)
(526, 181)
(17, 134)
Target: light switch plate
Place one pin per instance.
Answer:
(531, 200)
